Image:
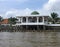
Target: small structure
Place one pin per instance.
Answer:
(5, 22)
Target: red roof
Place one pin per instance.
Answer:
(5, 21)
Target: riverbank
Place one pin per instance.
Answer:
(18, 29)
(29, 30)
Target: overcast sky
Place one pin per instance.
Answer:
(10, 8)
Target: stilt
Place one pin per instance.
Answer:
(26, 27)
(37, 27)
(43, 27)
(21, 27)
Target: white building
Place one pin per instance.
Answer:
(34, 22)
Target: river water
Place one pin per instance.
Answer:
(29, 39)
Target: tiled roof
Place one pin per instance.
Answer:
(5, 21)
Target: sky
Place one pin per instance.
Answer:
(12, 8)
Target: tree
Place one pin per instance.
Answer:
(12, 20)
(54, 17)
(49, 19)
(35, 13)
(1, 19)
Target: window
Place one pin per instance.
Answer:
(40, 19)
(19, 20)
(32, 19)
(29, 19)
(24, 19)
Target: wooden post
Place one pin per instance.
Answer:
(37, 27)
(26, 27)
(43, 27)
(21, 27)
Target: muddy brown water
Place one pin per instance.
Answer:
(29, 39)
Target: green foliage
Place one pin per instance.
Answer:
(49, 19)
(1, 18)
(54, 17)
(35, 13)
(12, 20)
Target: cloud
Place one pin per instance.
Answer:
(50, 6)
(15, 12)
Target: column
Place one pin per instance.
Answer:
(37, 27)
(21, 19)
(44, 27)
(26, 27)
(37, 19)
(26, 19)
(37, 22)
(43, 19)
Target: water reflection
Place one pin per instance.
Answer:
(30, 39)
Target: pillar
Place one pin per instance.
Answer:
(37, 27)
(26, 27)
(44, 27)
(43, 19)
(37, 19)
(26, 19)
(21, 19)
